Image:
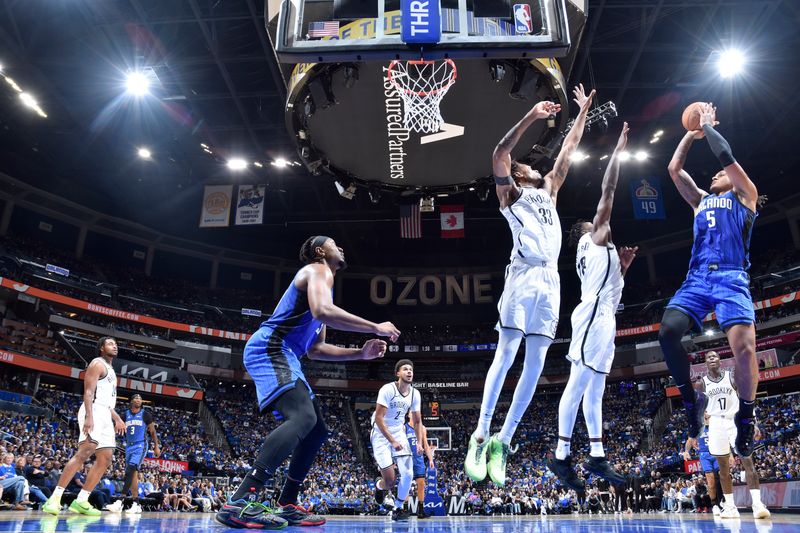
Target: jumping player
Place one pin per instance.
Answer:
(97, 425)
(420, 464)
(390, 444)
(723, 403)
(531, 297)
(717, 279)
(601, 269)
(139, 424)
(272, 358)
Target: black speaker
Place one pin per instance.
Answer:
(355, 9)
(492, 8)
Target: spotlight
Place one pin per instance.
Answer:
(426, 204)
(345, 191)
(13, 84)
(659, 133)
(237, 164)
(731, 62)
(605, 156)
(28, 100)
(374, 194)
(280, 163)
(578, 156)
(258, 164)
(709, 332)
(624, 156)
(137, 83)
(654, 140)
(203, 145)
(641, 155)
(144, 153)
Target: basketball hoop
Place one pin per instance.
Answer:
(422, 85)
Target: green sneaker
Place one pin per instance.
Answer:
(498, 454)
(475, 462)
(52, 506)
(84, 508)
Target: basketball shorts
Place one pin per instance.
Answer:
(103, 431)
(420, 465)
(593, 330)
(727, 292)
(383, 452)
(721, 435)
(708, 463)
(531, 300)
(134, 454)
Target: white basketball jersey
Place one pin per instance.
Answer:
(106, 392)
(722, 397)
(535, 226)
(600, 272)
(397, 406)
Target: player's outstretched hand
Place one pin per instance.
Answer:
(581, 98)
(119, 426)
(627, 255)
(545, 109)
(622, 142)
(387, 329)
(373, 349)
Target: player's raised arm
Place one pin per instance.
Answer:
(601, 225)
(683, 181)
(555, 178)
(743, 186)
(319, 282)
(507, 190)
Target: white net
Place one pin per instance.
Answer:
(422, 85)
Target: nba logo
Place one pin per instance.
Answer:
(522, 18)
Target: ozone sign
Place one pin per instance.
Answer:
(421, 21)
(431, 290)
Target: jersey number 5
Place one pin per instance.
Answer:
(710, 219)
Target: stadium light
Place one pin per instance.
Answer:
(13, 84)
(144, 153)
(237, 164)
(731, 62)
(624, 156)
(28, 100)
(603, 157)
(709, 332)
(641, 155)
(578, 156)
(280, 163)
(137, 84)
(258, 164)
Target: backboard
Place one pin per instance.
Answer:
(362, 30)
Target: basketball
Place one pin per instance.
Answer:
(691, 116)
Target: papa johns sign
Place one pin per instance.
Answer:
(431, 290)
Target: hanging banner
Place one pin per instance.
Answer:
(648, 202)
(250, 205)
(216, 210)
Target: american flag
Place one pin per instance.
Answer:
(410, 222)
(323, 29)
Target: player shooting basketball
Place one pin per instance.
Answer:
(531, 298)
(717, 279)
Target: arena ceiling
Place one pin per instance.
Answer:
(216, 83)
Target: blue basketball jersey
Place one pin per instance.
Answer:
(702, 442)
(292, 322)
(722, 230)
(135, 427)
(412, 437)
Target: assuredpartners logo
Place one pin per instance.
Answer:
(395, 128)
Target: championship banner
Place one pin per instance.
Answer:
(216, 209)
(648, 202)
(250, 205)
(166, 465)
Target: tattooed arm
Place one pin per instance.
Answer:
(683, 181)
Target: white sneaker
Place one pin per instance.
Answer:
(729, 511)
(715, 510)
(760, 511)
(115, 507)
(135, 508)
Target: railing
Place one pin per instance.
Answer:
(659, 423)
(358, 444)
(213, 427)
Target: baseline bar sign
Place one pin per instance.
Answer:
(421, 21)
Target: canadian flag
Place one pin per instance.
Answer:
(452, 217)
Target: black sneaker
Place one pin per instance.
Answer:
(564, 471)
(400, 515)
(249, 515)
(299, 516)
(380, 494)
(745, 435)
(600, 466)
(421, 514)
(695, 413)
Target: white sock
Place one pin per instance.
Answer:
(597, 449)
(535, 352)
(83, 496)
(755, 495)
(729, 500)
(562, 449)
(57, 492)
(507, 346)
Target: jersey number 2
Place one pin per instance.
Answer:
(723, 402)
